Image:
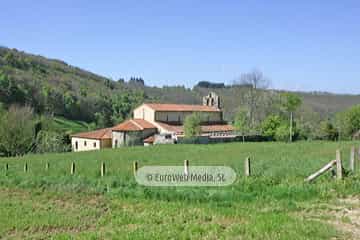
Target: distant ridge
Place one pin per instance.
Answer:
(85, 87)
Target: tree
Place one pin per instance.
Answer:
(241, 122)
(308, 122)
(206, 84)
(192, 125)
(10, 91)
(282, 133)
(123, 104)
(103, 119)
(17, 131)
(328, 131)
(48, 141)
(255, 82)
(348, 122)
(270, 125)
(2, 110)
(254, 79)
(290, 102)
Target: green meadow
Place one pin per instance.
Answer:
(274, 203)
(70, 126)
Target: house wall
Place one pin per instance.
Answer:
(162, 130)
(117, 139)
(144, 112)
(179, 117)
(85, 144)
(132, 138)
(106, 143)
(148, 114)
(164, 139)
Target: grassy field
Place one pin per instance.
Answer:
(274, 203)
(70, 126)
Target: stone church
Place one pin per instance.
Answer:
(158, 123)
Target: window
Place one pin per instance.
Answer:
(85, 143)
(116, 143)
(167, 118)
(94, 144)
(167, 136)
(179, 118)
(76, 145)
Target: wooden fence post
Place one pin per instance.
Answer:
(25, 167)
(352, 159)
(247, 167)
(72, 170)
(47, 166)
(135, 167)
(338, 165)
(102, 170)
(324, 169)
(186, 167)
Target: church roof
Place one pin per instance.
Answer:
(133, 125)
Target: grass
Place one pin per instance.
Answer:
(70, 126)
(269, 205)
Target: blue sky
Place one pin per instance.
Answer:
(303, 45)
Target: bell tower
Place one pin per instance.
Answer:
(212, 100)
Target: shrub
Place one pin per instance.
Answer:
(17, 131)
(348, 122)
(48, 141)
(270, 125)
(282, 133)
(192, 125)
(328, 131)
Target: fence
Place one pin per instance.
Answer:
(335, 166)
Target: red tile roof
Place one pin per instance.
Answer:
(100, 134)
(179, 129)
(133, 125)
(181, 107)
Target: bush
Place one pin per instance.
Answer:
(348, 122)
(17, 131)
(270, 125)
(282, 133)
(48, 141)
(328, 131)
(192, 125)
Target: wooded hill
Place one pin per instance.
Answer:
(56, 88)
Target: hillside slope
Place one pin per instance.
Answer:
(64, 90)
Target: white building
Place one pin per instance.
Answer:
(155, 123)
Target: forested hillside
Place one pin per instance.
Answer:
(56, 88)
